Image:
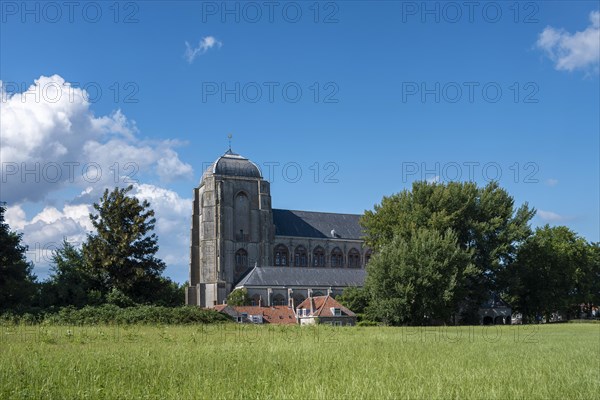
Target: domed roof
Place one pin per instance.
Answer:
(233, 164)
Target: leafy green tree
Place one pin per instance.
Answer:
(122, 252)
(552, 272)
(484, 219)
(69, 282)
(169, 293)
(118, 298)
(354, 298)
(593, 273)
(239, 297)
(17, 281)
(419, 279)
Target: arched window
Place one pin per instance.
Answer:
(300, 257)
(353, 258)
(255, 300)
(317, 293)
(337, 258)
(281, 255)
(241, 262)
(368, 254)
(241, 217)
(279, 300)
(318, 257)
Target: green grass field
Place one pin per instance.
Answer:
(248, 362)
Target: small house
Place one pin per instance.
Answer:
(324, 310)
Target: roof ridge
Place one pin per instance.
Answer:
(322, 305)
(316, 212)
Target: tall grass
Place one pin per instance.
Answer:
(243, 361)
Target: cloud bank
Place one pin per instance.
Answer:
(58, 156)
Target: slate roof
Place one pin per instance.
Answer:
(322, 306)
(304, 277)
(316, 224)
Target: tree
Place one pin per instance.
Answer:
(69, 282)
(419, 279)
(484, 220)
(551, 273)
(17, 281)
(121, 254)
(354, 298)
(239, 297)
(169, 293)
(593, 273)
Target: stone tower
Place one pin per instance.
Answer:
(232, 228)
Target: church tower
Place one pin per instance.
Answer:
(232, 228)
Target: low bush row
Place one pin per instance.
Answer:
(112, 314)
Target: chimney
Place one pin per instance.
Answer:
(260, 301)
(311, 301)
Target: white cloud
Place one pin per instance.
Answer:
(15, 217)
(550, 216)
(571, 51)
(206, 43)
(170, 167)
(551, 182)
(51, 139)
(171, 210)
(46, 231)
(51, 131)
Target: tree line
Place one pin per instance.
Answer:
(441, 250)
(116, 264)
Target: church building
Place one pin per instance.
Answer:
(280, 256)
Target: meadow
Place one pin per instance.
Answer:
(272, 362)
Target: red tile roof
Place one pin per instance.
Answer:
(271, 315)
(322, 306)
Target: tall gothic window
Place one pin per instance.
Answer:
(300, 257)
(318, 257)
(281, 255)
(241, 217)
(337, 258)
(241, 262)
(279, 300)
(353, 258)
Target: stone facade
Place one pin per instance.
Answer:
(234, 229)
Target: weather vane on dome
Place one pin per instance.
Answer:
(229, 136)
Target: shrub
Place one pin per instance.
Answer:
(113, 314)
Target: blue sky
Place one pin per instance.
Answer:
(391, 92)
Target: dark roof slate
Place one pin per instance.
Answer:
(316, 224)
(304, 277)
